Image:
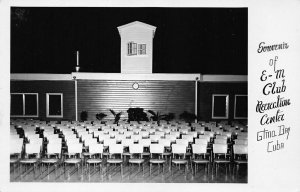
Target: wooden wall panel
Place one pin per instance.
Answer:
(97, 96)
(43, 87)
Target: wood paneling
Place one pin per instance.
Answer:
(97, 96)
(67, 88)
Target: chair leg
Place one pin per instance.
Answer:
(121, 170)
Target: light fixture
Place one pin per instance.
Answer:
(135, 86)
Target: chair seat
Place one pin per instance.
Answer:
(105, 153)
(72, 161)
(94, 161)
(158, 161)
(145, 153)
(25, 161)
(167, 153)
(50, 160)
(138, 161)
(14, 160)
(200, 161)
(114, 161)
(179, 161)
(221, 161)
(241, 161)
(126, 154)
(86, 154)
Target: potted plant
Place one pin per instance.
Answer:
(137, 114)
(156, 116)
(188, 117)
(83, 115)
(117, 116)
(100, 116)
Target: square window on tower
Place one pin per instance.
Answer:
(142, 49)
(131, 48)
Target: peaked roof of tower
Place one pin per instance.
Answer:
(151, 27)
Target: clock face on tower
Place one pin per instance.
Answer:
(135, 86)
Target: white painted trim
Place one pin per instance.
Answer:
(213, 106)
(224, 78)
(129, 76)
(39, 76)
(150, 27)
(23, 95)
(76, 106)
(238, 95)
(61, 106)
(122, 76)
(196, 100)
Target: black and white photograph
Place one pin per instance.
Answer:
(134, 95)
(141, 95)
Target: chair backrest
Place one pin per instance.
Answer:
(176, 133)
(56, 140)
(120, 137)
(38, 141)
(184, 130)
(31, 148)
(136, 137)
(116, 148)
(127, 142)
(136, 130)
(136, 148)
(200, 130)
(220, 148)
(157, 148)
(53, 148)
(178, 149)
(190, 138)
(154, 138)
(240, 149)
(167, 131)
(160, 133)
(103, 137)
(16, 146)
(193, 133)
(75, 148)
(32, 137)
(89, 142)
(211, 134)
(86, 137)
(221, 137)
(72, 141)
(241, 141)
(165, 142)
(172, 138)
(182, 142)
(220, 141)
(145, 142)
(227, 134)
(199, 148)
(201, 141)
(207, 137)
(96, 148)
(144, 133)
(128, 133)
(107, 142)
